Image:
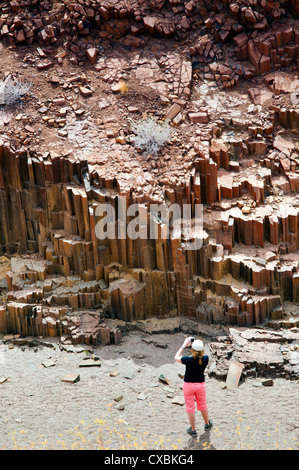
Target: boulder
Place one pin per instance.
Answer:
(91, 55)
(149, 24)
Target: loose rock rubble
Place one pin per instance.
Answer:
(225, 77)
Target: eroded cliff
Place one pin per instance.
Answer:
(225, 76)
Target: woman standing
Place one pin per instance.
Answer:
(194, 382)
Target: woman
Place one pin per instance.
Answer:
(194, 382)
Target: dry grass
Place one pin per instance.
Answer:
(13, 91)
(101, 435)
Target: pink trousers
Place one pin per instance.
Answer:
(195, 391)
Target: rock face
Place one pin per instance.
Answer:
(49, 206)
(236, 154)
(248, 27)
(261, 353)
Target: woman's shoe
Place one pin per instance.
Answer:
(208, 426)
(191, 432)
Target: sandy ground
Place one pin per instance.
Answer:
(132, 409)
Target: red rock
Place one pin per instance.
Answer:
(224, 69)
(149, 23)
(104, 336)
(104, 13)
(226, 186)
(234, 8)
(47, 34)
(250, 16)
(247, 234)
(296, 287)
(85, 91)
(224, 35)
(209, 23)
(116, 335)
(4, 30)
(261, 25)
(172, 112)
(20, 36)
(91, 55)
(201, 117)
(278, 38)
(3, 325)
(254, 55)
(241, 39)
(290, 51)
(258, 232)
(264, 47)
(265, 64)
(288, 36)
(45, 65)
(219, 154)
(18, 22)
(273, 228)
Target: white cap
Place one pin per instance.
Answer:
(197, 345)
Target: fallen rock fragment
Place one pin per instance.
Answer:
(128, 375)
(90, 362)
(86, 92)
(91, 55)
(48, 363)
(178, 400)
(267, 382)
(172, 112)
(45, 65)
(71, 378)
(114, 374)
(118, 398)
(141, 396)
(234, 374)
(149, 23)
(201, 117)
(257, 384)
(163, 379)
(178, 119)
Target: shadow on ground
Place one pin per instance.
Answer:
(202, 442)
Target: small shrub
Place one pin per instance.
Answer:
(120, 87)
(151, 136)
(13, 91)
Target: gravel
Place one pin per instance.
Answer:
(122, 404)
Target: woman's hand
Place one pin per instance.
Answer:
(187, 342)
